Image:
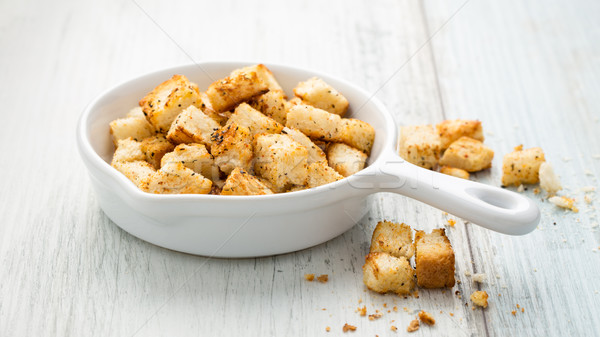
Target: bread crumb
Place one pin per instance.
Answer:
(327, 329)
(518, 148)
(323, 278)
(426, 318)
(362, 311)
(395, 309)
(522, 309)
(451, 314)
(309, 277)
(347, 327)
(467, 273)
(549, 181)
(451, 222)
(521, 188)
(385, 305)
(375, 316)
(413, 326)
(480, 277)
(536, 191)
(588, 199)
(480, 298)
(588, 189)
(415, 294)
(514, 313)
(405, 309)
(564, 202)
(393, 328)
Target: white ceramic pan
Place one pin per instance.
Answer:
(246, 226)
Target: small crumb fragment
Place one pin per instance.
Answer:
(564, 202)
(415, 294)
(521, 188)
(395, 309)
(347, 327)
(451, 222)
(522, 309)
(549, 181)
(514, 313)
(426, 318)
(385, 305)
(479, 277)
(309, 277)
(393, 328)
(518, 148)
(362, 311)
(588, 189)
(480, 298)
(327, 329)
(467, 273)
(451, 314)
(536, 191)
(375, 316)
(323, 278)
(588, 199)
(413, 326)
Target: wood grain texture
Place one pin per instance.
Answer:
(529, 71)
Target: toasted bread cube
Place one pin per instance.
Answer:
(480, 298)
(281, 160)
(386, 273)
(167, 100)
(319, 173)
(175, 178)
(345, 159)
(394, 239)
(315, 153)
(522, 167)
(232, 147)
(225, 94)
(315, 123)
(192, 126)
(456, 172)
(452, 130)
(263, 73)
(549, 181)
(434, 259)
(240, 182)
(137, 128)
(357, 134)
(317, 93)
(272, 104)
(128, 150)
(468, 154)
(420, 145)
(155, 148)
(136, 171)
(194, 157)
(254, 120)
(136, 112)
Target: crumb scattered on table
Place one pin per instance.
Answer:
(327, 329)
(480, 298)
(426, 318)
(451, 222)
(375, 316)
(393, 328)
(347, 327)
(362, 311)
(323, 278)
(309, 277)
(413, 326)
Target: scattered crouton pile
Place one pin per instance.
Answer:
(454, 146)
(239, 137)
(387, 267)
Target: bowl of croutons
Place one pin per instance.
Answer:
(231, 159)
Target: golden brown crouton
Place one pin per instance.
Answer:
(135, 127)
(394, 239)
(175, 178)
(167, 100)
(263, 73)
(194, 157)
(319, 173)
(128, 150)
(468, 154)
(434, 259)
(426, 318)
(232, 147)
(480, 298)
(321, 95)
(386, 273)
(225, 94)
(315, 153)
(456, 172)
(548, 179)
(155, 148)
(272, 104)
(357, 134)
(254, 120)
(522, 167)
(240, 182)
(136, 171)
(345, 159)
(315, 123)
(451, 130)
(281, 160)
(420, 145)
(192, 126)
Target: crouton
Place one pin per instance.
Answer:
(357, 134)
(480, 298)
(192, 126)
(194, 157)
(263, 73)
(272, 104)
(420, 145)
(392, 238)
(167, 100)
(136, 112)
(137, 128)
(313, 122)
(315, 153)
(254, 120)
(386, 273)
(225, 94)
(175, 178)
(128, 150)
(155, 148)
(456, 172)
(434, 259)
(240, 182)
(317, 93)
(345, 159)
(281, 160)
(451, 130)
(232, 147)
(522, 167)
(136, 171)
(319, 173)
(468, 154)
(548, 179)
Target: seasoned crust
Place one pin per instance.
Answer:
(136, 171)
(194, 157)
(272, 104)
(128, 150)
(263, 73)
(420, 145)
(232, 146)
(315, 153)
(345, 159)
(192, 126)
(155, 148)
(317, 93)
(522, 166)
(434, 259)
(386, 273)
(451, 130)
(315, 123)
(319, 173)
(254, 120)
(468, 154)
(357, 134)
(133, 126)
(176, 178)
(227, 93)
(392, 238)
(240, 182)
(281, 160)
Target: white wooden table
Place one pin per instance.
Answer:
(529, 70)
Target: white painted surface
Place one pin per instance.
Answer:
(528, 70)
